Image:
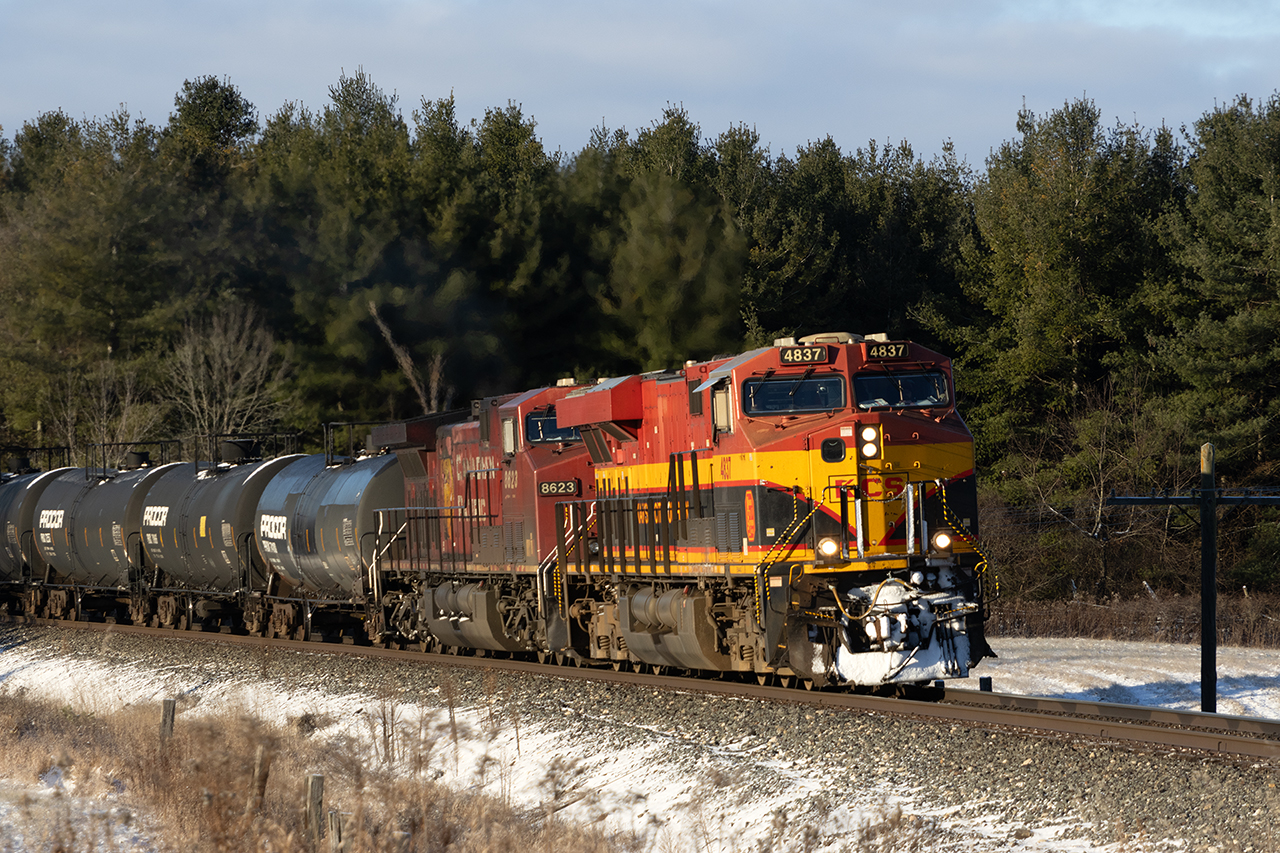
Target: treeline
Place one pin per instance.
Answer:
(1108, 292)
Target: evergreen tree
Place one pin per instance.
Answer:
(1068, 217)
(1227, 308)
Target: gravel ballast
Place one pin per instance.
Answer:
(947, 786)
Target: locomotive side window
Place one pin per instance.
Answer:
(780, 395)
(721, 414)
(509, 436)
(540, 428)
(894, 390)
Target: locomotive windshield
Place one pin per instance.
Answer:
(540, 428)
(927, 390)
(780, 395)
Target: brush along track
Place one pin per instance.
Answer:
(1134, 725)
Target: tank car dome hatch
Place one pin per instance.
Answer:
(19, 465)
(238, 451)
(315, 524)
(198, 527)
(89, 529)
(18, 498)
(137, 459)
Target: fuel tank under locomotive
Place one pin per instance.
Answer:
(316, 522)
(198, 526)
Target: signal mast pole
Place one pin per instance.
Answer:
(1208, 582)
(1208, 497)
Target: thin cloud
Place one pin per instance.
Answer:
(922, 72)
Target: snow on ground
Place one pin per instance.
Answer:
(674, 793)
(1155, 674)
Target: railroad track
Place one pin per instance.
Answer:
(1133, 725)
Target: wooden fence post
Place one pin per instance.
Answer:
(338, 841)
(313, 806)
(166, 719)
(261, 768)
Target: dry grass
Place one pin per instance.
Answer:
(194, 792)
(1252, 621)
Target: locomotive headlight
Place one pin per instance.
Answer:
(870, 447)
(942, 540)
(828, 547)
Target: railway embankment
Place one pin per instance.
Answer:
(638, 767)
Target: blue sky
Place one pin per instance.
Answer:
(920, 70)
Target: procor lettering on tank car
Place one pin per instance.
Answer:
(800, 511)
(806, 510)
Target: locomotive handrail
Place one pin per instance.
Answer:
(413, 516)
(556, 558)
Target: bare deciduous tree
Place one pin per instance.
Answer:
(109, 404)
(429, 396)
(225, 375)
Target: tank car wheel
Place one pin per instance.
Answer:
(787, 681)
(542, 657)
(618, 665)
(807, 684)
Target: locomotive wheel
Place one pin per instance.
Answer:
(542, 656)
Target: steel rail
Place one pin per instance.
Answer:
(1220, 734)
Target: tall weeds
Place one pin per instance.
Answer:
(196, 792)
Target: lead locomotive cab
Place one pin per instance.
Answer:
(822, 520)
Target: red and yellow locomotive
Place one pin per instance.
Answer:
(805, 510)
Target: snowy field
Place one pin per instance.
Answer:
(1159, 675)
(1132, 673)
